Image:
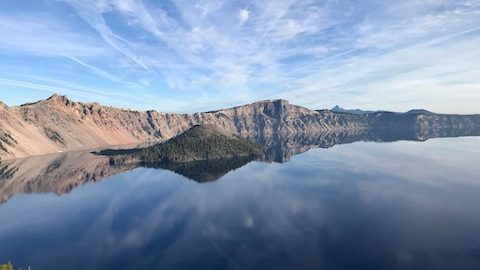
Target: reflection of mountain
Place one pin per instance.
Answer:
(60, 173)
(280, 149)
(203, 170)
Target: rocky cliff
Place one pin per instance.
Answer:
(58, 124)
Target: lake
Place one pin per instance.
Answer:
(361, 205)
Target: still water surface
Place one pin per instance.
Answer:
(399, 205)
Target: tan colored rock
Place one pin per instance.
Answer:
(58, 124)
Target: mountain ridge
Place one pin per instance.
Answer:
(58, 124)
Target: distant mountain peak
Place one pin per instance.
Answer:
(339, 109)
(283, 101)
(271, 101)
(59, 99)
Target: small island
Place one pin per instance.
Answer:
(200, 142)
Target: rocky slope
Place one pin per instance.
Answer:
(58, 124)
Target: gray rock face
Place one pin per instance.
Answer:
(59, 124)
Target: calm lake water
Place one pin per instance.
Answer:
(365, 205)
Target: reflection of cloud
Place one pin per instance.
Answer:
(249, 222)
(352, 204)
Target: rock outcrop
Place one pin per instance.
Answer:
(58, 124)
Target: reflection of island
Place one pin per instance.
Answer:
(61, 173)
(203, 170)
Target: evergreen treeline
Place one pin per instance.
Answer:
(201, 142)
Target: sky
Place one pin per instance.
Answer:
(199, 55)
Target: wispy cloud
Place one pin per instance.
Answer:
(51, 86)
(91, 12)
(40, 35)
(218, 53)
(97, 70)
(243, 15)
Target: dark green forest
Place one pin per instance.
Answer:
(201, 142)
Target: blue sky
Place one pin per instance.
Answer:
(196, 55)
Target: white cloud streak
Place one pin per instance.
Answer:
(89, 94)
(316, 53)
(89, 11)
(243, 15)
(42, 36)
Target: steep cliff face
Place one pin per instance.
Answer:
(58, 124)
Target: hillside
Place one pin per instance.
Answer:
(201, 142)
(58, 124)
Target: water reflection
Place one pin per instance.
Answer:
(204, 170)
(281, 149)
(60, 173)
(403, 205)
